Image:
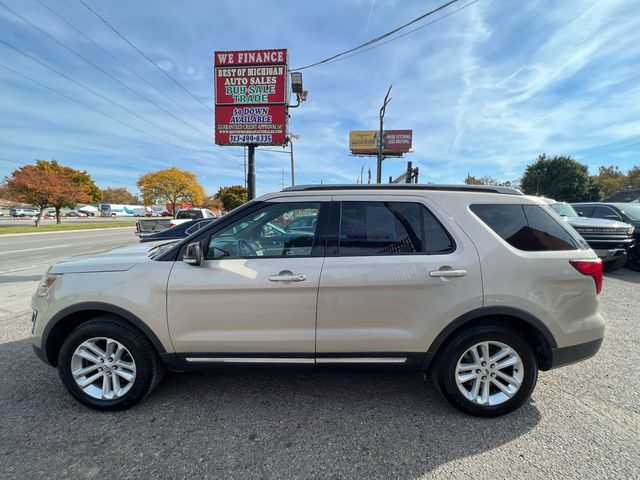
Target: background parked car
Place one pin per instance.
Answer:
(610, 239)
(625, 212)
(23, 212)
(178, 232)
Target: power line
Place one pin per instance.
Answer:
(92, 176)
(404, 34)
(82, 57)
(145, 56)
(104, 97)
(86, 105)
(175, 102)
(376, 39)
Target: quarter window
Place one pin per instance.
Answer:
(391, 228)
(526, 227)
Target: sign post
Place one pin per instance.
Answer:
(251, 101)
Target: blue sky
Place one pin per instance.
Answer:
(485, 90)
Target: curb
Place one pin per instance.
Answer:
(2, 235)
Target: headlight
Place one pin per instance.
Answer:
(630, 231)
(46, 283)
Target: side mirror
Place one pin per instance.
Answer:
(580, 214)
(193, 255)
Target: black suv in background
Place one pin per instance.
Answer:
(622, 212)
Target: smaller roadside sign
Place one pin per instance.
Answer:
(395, 142)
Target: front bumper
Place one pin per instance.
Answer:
(575, 353)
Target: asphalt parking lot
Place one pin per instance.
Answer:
(583, 421)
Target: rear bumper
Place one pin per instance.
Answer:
(575, 353)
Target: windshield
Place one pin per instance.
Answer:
(632, 211)
(564, 209)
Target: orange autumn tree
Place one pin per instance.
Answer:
(43, 188)
(172, 186)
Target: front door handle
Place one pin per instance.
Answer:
(287, 277)
(447, 273)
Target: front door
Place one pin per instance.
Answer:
(254, 298)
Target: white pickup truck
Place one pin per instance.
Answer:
(148, 226)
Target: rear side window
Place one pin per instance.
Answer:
(192, 214)
(526, 227)
(391, 228)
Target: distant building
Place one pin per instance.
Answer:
(624, 196)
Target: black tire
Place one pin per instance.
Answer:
(444, 372)
(633, 258)
(613, 265)
(149, 369)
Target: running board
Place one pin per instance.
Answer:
(304, 360)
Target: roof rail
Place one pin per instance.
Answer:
(406, 186)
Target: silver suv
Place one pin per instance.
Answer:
(479, 286)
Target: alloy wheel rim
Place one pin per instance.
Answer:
(489, 373)
(103, 368)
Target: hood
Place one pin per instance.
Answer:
(587, 222)
(116, 260)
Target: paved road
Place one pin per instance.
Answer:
(583, 420)
(31, 252)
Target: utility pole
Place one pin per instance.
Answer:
(409, 177)
(380, 142)
(244, 155)
(251, 176)
(291, 138)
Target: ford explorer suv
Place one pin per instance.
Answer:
(479, 287)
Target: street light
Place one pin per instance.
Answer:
(296, 87)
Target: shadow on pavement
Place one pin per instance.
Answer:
(240, 425)
(625, 275)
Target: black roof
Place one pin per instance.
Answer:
(405, 186)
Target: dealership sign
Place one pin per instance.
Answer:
(394, 142)
(251, 97)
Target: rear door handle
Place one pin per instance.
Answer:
(447, 273)
(290, 277)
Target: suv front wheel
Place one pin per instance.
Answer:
(486, 371)
(108, 364)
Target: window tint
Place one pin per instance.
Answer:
(606, 212)
(526, 227)
(262, 233)
(192, 214)
(390, 228)
(583, 209)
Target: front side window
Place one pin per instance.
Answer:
(391, 228)
(526, 227)
(263, 233)
(606, 212)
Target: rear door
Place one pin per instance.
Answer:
(254, 298)
(397, 270)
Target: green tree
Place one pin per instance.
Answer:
(633, 177)
(558, 177)
(609, 181)
(118, 195)
(232, 196)
(171, 186)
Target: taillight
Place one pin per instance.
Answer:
(591, 268)
(173, 224)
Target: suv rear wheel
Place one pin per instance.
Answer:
(107, 364)
(486, 371)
